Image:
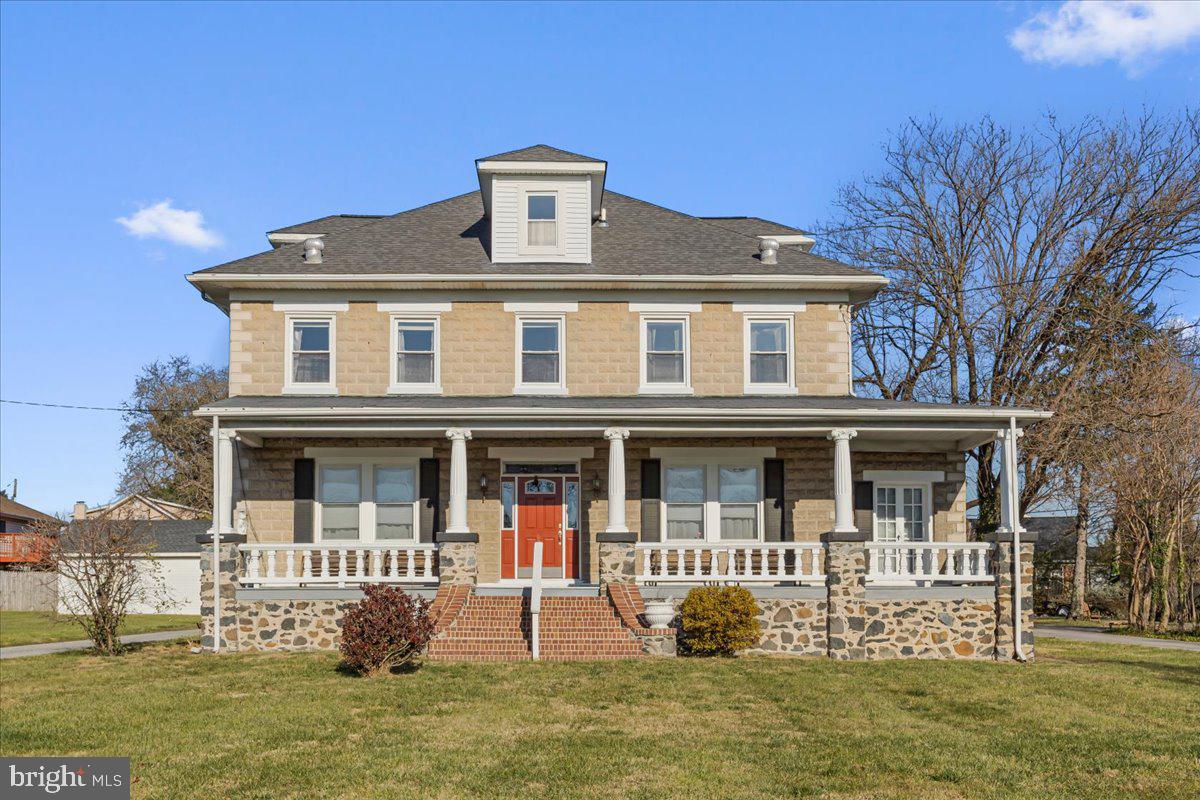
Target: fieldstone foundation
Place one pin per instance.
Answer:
(458, 562)
(617, 562)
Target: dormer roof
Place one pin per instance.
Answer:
(541, 152)
(544, 160)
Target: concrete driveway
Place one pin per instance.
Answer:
(21, 651)
(1082, 634)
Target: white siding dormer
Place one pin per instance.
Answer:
(518, 238)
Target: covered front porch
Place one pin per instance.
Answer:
(320, 500)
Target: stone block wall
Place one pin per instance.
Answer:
(929, 629)
(793, 626)
(478, 343)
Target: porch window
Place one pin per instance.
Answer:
(541, 220)
(665, 361)
(769, 356)
(508, 498)
(367, 502)
(415, 365)
(540, 356)
(340, 497)
(738, 495)
(713, 501)
(310, 354)
(395, 495)
(685, 502)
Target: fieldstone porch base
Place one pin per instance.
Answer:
(847, 619)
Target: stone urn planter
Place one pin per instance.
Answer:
(659, 613)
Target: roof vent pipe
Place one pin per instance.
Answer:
(603, 217)
(768, 251)
(312, 250)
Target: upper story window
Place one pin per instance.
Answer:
(665, 360)
(542, 220)
(416, 362)
(713, 501)
(311, 363)
(769, 356)
(540, 355)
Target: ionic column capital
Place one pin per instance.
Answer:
(613, 434)
(842, 434)
(458, 434)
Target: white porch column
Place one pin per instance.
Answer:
(1010, 490)
(843, 484)
(224, 485)
(458, 480)
(616, 479)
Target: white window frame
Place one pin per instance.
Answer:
(558, 388)
(394, 384)
(900, 484)
(290, 386)
(366, 498)
(558, 248)
(788, 387)
(712, 496)
(644, 385)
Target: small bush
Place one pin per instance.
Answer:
(719, 620)
(384, 630)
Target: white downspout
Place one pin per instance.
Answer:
(1014, 499)
(216, 536)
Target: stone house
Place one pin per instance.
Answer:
(544, 381)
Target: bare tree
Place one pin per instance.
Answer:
(102, 571)
(168, 452)
(999, 244)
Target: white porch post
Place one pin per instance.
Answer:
(616, 479)
(843, 484)
(1010, 522)
(458, 480)
(224, 488)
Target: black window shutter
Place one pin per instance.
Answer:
(303, 493)
(651, 495)
(864, 495)
(774, 519)
(430, 506)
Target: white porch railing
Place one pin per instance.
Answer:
(326, 564)
(907, 563)
(711, 562)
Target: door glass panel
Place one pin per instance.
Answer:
(540, 486)
(508, 492)
(572, 506)
(885, 513)
(914, 514)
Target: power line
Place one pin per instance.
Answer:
(98, 408)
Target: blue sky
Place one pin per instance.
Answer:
(259, 116)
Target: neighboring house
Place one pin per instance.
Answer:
(19, 545)
(170, 566)
(139, 506)
(659, 400)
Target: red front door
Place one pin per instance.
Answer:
(539, 506)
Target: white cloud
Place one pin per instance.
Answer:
(163, 221)
(1131, 32)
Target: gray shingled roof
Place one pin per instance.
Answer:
(451, 236)
(168, 535)
(334, 223)
(755, 226)
(540, 152)
(550, 403)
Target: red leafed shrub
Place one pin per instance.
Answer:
(384, 630)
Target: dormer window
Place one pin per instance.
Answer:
(542, 220)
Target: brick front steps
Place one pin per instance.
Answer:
(498, 629)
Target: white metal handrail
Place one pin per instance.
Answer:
(907, 563)
(714, 562)
(338, 564)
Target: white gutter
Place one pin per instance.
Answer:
(641, 413)
(216, 540)
(440, 278)
(1014, 504)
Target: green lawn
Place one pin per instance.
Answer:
(1085, 721)
(31, 627)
